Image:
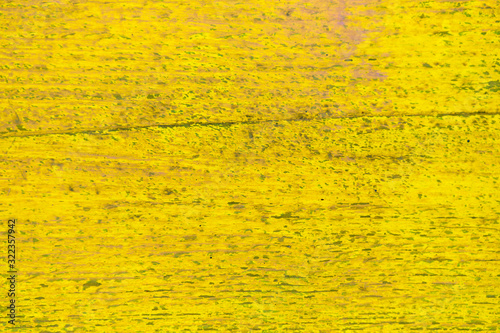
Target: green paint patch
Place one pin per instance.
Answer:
(286, 215)
(91, 283)
(493, 86)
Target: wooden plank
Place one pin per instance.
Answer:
(90, 64)
(308, 166)
(312, 225)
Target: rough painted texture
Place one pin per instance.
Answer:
(256, 166)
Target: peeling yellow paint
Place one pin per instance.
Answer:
(248, 166)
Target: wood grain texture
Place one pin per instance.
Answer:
(310, 166)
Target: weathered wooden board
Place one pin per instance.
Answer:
(305, 166)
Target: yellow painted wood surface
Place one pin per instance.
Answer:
(312, 166)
